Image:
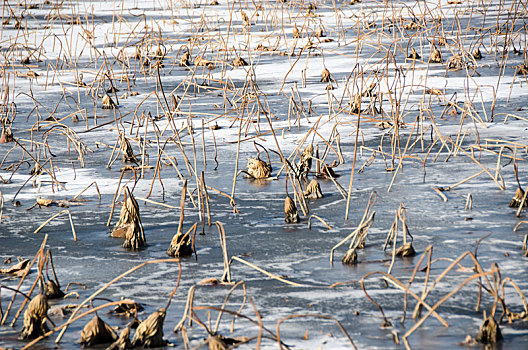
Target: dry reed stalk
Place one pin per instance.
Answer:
(56, 215)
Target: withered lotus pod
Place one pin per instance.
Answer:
(181, 245)
(350, 257)
(214, 3)
(325, 76)
(258, 169)
(455, 63)
(296, 32)
(477, 54)
(219, 342)
(149, 333)
(516, 200)
(489, 331)
(436, 56)
(290, 211)
(329, 87)
(7, 135)
(319, 33)
(184, 59)
(127, 153)
(245, 18)
(128, 309)
(313, 190)
(414, 55)
(108, 103)
(305, 161)
(96, 331)
(35, 318)
(328, 172)
(52, 290)
(239, 62)
(130, 221)
(406, 250)
(123, 342)
(355, 104)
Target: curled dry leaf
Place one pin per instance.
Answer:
(350, 257)
(149, 333)
(97, 331)
(108, 103)
(516, 200)
(52, 290)
(19, 269)
(290, 211)
(436, 56)
(313, 190)
(325, 76)
(258, 169)
(35, 318)
(489, 331)
(130, 222)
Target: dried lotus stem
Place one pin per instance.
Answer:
(181, 244)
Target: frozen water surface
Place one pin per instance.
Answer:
(452, 124)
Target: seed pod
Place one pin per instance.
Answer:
(313, 190)
(455, 63)
(319, 33)
(290, 210)
(127, 153)
(35, 318)
(355, 104)
(180, 246)
(477, 54)
(7, 135)
(184, 59)
(149, 333)
(97, 332)
(305, 161)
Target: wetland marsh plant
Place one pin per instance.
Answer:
(35, 318)
(123, 342)
(149, 333)
(127, 153)
(97, 331)
(326, 77)
(305, 161)
(7, 134)
(181, 244)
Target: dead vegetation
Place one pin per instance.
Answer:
(358, 88)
